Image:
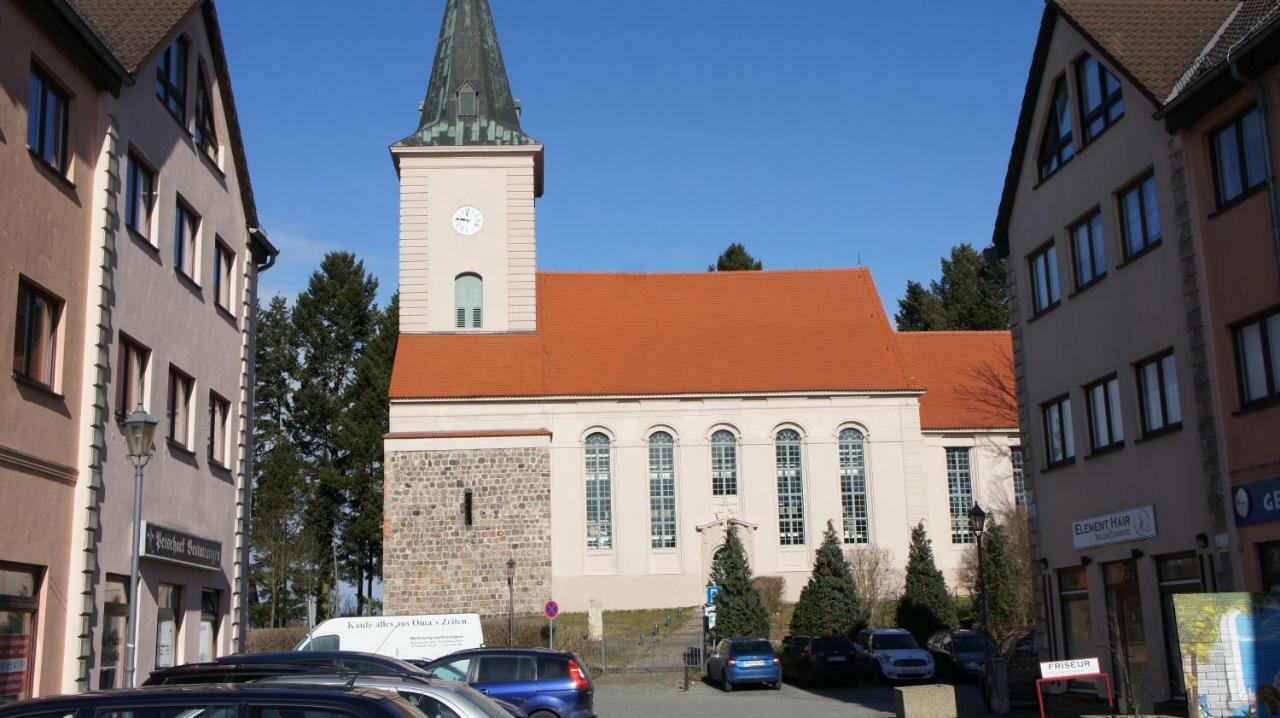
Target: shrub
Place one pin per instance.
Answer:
(770, 588)
(271, 640)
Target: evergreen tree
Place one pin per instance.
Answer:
(739, 610)
(829, 603)
(925, 605)
(970, 294)
(736, 259)
(1005, 611)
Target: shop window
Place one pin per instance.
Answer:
(115, 631)
(1077, 627)
(1269, 553)
(168, 624)
(18, 603)
(1178, 574)
(210, 611)
(1128, 639)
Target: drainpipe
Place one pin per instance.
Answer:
(1272, 201)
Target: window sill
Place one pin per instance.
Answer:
(38, 386)
(1035, 316)
(180, 448)
(1058, 465)
(1162, 431)
(1237, 200)
(1148, 249)
(210, 162)
(1087, 285)
(143, 241)
(191, 284)
(180, 119)
(1052, 174)
(51, 171)
(1109, 449)
(218, 467)
(226, 314)
(1257, 405)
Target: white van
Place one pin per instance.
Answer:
(404, 637)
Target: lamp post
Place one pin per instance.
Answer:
(511, 602)
(978, 522)
(139, 430)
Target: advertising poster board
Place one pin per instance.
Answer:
(1230, 648)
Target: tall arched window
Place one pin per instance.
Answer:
(853, 486)
(599, 493)
(790, 488)
(662, 490)
(468, 297)
(724, 464)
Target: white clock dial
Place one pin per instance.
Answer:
(467, 221)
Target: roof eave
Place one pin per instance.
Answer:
(87, 49)
(1254, 56)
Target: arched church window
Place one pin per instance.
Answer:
(599, 493)
(853, 486)
(662, 491)
(468, 296)
(724, 463)
(790, 488)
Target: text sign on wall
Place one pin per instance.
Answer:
(171, 545)
(1058, 670)
(1118, 527)
(1257, 503)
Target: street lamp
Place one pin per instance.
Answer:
(977, 523)
(139, 430)
(511, 602)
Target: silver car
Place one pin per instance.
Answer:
(435, 699)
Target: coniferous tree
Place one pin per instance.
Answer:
(971, 293)
(1005, 611)
(828, 603)
(739, 609)
(925, 605)
(919, 310)
(736, 259)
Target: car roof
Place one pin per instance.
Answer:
(159, 695)
(541, 652)
(294, 656)
(885, 631)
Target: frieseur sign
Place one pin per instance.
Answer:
(1118, 527)
(171, 545)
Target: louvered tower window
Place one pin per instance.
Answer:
(468, 294)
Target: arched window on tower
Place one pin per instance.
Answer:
(468, 101)
(468, 297)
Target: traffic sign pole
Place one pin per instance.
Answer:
(551, 610)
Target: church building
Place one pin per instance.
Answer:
(592, 435)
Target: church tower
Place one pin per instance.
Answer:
(469, 177)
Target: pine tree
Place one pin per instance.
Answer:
(970, 294)
(828, 603)
(736, 259)
(925, 605)
(919, 310)
(739, 610)
(1001, 572)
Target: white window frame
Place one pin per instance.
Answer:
(602, 501)
(789, 470)
(662, 490)
(960, 492)
(851, 447)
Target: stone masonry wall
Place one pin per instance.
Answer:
(434, 563)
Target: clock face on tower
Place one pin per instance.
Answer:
(467, 221)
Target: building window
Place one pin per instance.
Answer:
(47, 121)
(1139, 216)
(219, 416)
(1019, 479)
(168, 624)
(853, 486)
(960, 493)
(140, 195)
(35, 343)
(1105, 428)
(1044, 280)
(468, 299)
(210, 613)
(662, 491)
(224, 262)
(1101, 102)
(186, 230)
(171, 78)
(115, 629)
(724, 464)
(1058, 438)
(1158, 394)
(1258, 359)
(468, 101)
(1177, 574)
(181, 387)
(1239, 158)
(599, 493)
(1077, 627)
(790, 488)
(1087, 250)
(1056, 147)
(18, 605)
(131, 383)
(1269, 560)
(206, 134)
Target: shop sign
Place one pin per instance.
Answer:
(1073, 668)
(177, 547)
(1118, 527)
(1257, 503)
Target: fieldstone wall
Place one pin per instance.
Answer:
(433, 562)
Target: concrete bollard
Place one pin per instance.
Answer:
(931, 701)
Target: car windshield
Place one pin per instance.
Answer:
(752, 647)
(833, 643)
(892, 641)
(968, 644)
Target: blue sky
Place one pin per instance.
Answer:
(820, 133)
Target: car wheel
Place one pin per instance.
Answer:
(725, 684)
(877, 676)
(543, 714)
(777, 685)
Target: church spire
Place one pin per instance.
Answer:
(469, 97)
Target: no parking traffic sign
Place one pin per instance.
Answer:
(552, 609)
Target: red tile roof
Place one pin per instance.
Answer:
(969, 376)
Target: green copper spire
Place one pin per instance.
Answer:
(469, 97)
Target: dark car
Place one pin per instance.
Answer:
(364, 663)
(1021, 653)
(205, 673)
(541, 682)
(960, 654)
(735, 661)
(220, 701)
(809, 659)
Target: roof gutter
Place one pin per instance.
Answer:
(264, 252)
(1260, 98)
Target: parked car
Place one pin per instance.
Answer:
(960, 654)
(542, 682)
(206, 673)
(891, 654)
(806, 659)
(364, 663)
(744, 660)
(218, 701)
(436, 699)
(1021, 653)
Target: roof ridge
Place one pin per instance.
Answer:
(703, 273)
(1195, 65)
(951, 331)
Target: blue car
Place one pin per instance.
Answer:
(744, 660)
(541, 682)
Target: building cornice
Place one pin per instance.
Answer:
(32, 464)
(636, 397)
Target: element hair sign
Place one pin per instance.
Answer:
(1128, 525)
